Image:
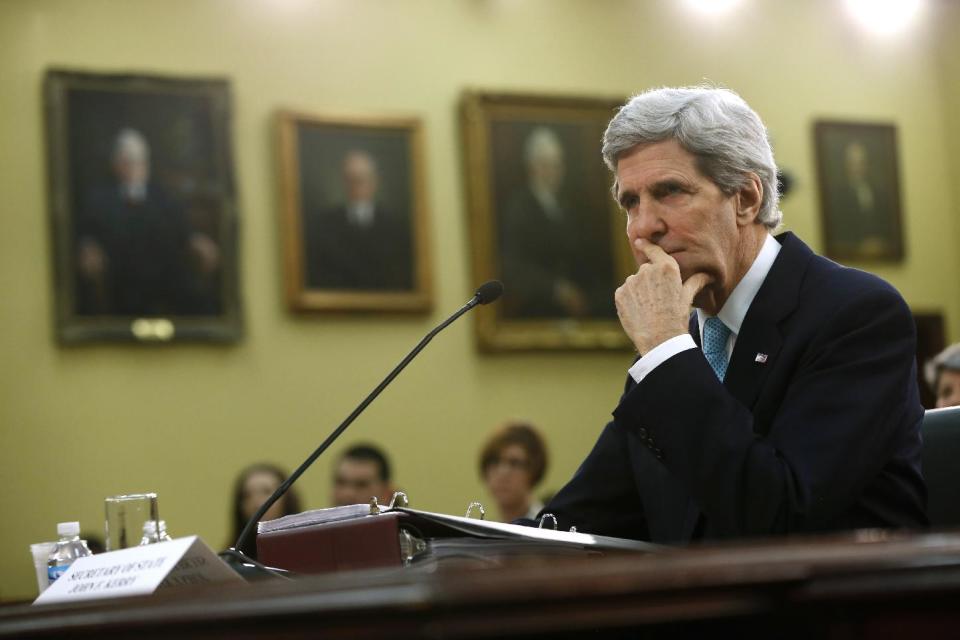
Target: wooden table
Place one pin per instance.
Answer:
(862, 585)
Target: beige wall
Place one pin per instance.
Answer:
(82, 423)
(947, 45)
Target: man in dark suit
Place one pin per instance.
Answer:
(866, 222)
(787, 402)
(136, 254)
(555, 258)
(360, 244)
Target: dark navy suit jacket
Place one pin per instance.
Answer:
(821, 436)
(341, 255)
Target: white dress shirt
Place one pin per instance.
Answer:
(547, 200)
(535, 507)
(360, 214)
(732, 314)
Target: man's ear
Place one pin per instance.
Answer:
(749, 199)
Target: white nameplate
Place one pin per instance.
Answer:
(139, 571)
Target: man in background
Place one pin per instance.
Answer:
(943, 376)
(865, 224)
(554, 251)
(361, 243)
(136, 254)
(362, 472)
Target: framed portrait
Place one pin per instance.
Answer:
(859, 191)
(543, 221)
(354, 215)
(143, 208)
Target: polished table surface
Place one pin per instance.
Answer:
(864, 584)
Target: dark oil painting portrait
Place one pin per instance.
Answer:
(859, 191)
(354, 218)
(544, 221)
(143, 207)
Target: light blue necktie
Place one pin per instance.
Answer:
(715, 335)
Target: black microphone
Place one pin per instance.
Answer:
(485, 294)
(488, 292)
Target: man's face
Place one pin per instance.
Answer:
(855, 157)
(546, 169)
(132, 167)
(948, 389)
(356, 481)
(360, 178)
(670, 203)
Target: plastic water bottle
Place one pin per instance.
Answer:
(69, 548)
(154, 531)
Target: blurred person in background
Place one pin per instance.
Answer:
(943, 376)
(362, 472)
(253, 486)
(512, 462)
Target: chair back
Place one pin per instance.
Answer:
(941, 465)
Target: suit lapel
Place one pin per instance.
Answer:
(752, 358)
(760, 338)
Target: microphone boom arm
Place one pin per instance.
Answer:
(485, 294)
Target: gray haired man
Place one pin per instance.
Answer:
(775, 390)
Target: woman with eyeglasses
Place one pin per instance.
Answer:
(512, 463)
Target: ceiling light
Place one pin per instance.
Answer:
(884, 16)
(712, 7)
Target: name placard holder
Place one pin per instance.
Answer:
(139, 571)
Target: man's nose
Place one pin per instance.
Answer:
(644, 222)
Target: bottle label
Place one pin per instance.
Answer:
(55, 572)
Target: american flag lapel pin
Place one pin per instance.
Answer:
(761, 358)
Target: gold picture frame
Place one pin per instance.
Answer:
(353, 213)
(143, 208)
(543, 221)
(859, 176)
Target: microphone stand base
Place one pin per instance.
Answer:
(251, 570)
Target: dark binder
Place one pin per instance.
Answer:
(408, 537)
(364, 542)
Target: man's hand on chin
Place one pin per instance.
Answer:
(654, 303)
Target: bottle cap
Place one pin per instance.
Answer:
(68, 529)
(150, 526)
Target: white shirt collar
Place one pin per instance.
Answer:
(360, 214)
(535, 507)
(134, 191)
(735, 308)
(548, 202)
